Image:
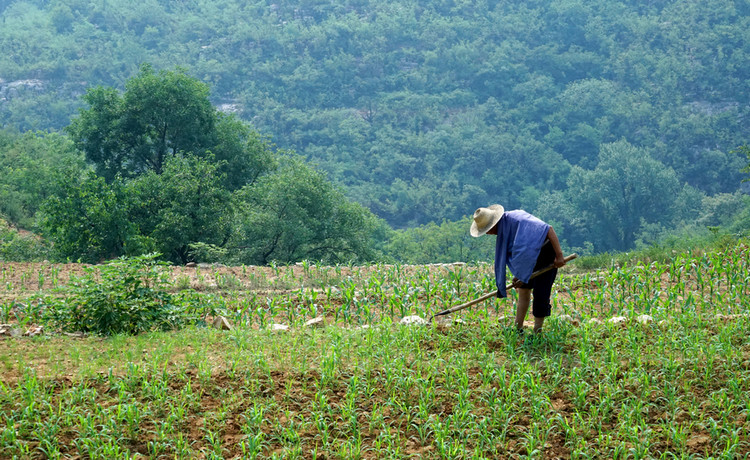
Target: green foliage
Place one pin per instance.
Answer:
(172, 174)
(124, 296)
(160, 116)
(665, 248)
(609, 204)
(205, 252)
(241, 153)
(88, 220)
(31, 168)
(423, 111)
(18, 247)
(296, 214)
(184, 204)
(740, 223)
(444, 243)
(744, 150)
(62, 18)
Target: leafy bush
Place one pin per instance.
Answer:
(124, 296)
(18, 247)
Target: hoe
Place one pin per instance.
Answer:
(494, 293)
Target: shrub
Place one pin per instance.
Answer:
(18, 247)
(124, 296)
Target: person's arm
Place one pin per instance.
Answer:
(559, 256)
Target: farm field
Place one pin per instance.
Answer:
(673, 384)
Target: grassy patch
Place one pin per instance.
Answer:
(676, 387)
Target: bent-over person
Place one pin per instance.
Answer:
(525, 244)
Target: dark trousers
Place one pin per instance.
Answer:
(541, 286)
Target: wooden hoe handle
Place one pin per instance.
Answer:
(494, 293)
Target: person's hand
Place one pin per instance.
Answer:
(559, 261)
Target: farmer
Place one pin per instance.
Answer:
(525, 244)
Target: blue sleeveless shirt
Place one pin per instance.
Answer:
(520, 237)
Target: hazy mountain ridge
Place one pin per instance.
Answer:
(423, 110)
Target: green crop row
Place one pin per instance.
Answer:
(677, 387)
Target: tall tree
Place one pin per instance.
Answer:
(626, 190)
(88, 220)
(159, 115)
(184, 204)
(31, 167)
(296, 214)
(162, 115)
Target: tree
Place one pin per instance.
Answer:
(242, 153)
(31, 168)
(184, 204)
(62, 18)
(627, 189)
(87, 221)
(163, 115)
(745, 150)
(158, 116)
(296, 214)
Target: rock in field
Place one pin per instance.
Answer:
(618, 320)
(222, 324)
(34, 331)
(315, 323)
(569, 319)
(279, 327)
(644, 319)
(76, 335)
(447, 321)
(730, 317)
(413, 320)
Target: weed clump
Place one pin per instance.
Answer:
(124, 296)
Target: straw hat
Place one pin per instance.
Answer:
(485, 219)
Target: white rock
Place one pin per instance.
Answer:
(34, 331)
(5, 329)
(315, 323)
(569, 319)
(644, 319)
(222, 324)
(730, 317)
(413, 320)
(279, 327)
(77, 335)
(447, 321)
(618, 319)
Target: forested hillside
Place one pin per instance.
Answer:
(614, 120)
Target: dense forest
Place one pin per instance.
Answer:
(619, 122)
